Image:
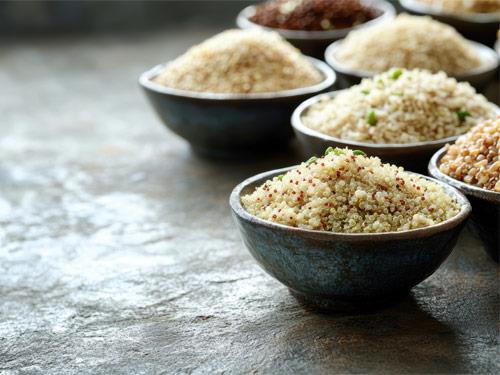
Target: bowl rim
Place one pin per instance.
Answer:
(387, 12)
(329, 78)
(237, 208)
(299, 126)
(489, 57)
(465, 188)
(473, 17)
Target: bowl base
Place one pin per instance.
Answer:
(347, 305)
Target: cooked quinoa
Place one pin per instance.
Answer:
(240, 61)
(473, 158)
(347, 192)
(408, 42)
(465, 6)
(400, 106)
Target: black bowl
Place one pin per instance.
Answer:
(226, 124)
(313, 43)
(479, 78)
(332, 270)
(412, 156)
(481, 27)
(485, 206)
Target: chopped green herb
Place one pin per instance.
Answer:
(311, 160)
(280, 177)
(397, 93)
(371, 118)
(396, 74)
(380, 82)
(328, 150)
(358, 152)
(338, 151)
(366, 92)
(463, 114)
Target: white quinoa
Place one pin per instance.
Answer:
(349, 193)
(473, 158)
(465, 6)
(408, 42)
(240, 61)
(400, 106)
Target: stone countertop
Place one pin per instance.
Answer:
(118, 253)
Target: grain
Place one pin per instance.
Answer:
(473, 158)
(465, 6)
(240, 61)
(408, 42)
(348, 192)
(400, 106)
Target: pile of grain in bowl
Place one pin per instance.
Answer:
(348, 192)
(400, 106)
(408, 42)
(465, 6)
(312, 15)
(240, 61)
(473, 158)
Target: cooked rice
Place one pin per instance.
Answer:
(408, 42)
(240, 61)
(473, 158)
(350, 193)
(415, 106)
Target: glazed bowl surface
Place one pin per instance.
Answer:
(313, 43)
(485, 206)
(479, 78)
(327, 269)
(230, 125)
(412, 156)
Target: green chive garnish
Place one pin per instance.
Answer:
(371, 118)
(358, 152)
(328, 150)
(336, 151)
(311, 160)
(462, 114)
(280, 177)
(396, 73)
(366, 92)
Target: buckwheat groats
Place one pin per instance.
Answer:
(346, 191)
(473, 158)
(408, 42)
(312, 15)
(240, 61)
(400, 106)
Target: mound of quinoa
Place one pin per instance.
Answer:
(465, 6)
(473, 158)
(347, 192)
(240, 61)
(400, 106)
(408, 42)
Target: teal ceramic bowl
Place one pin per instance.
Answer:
(329, 269)
(485, 218)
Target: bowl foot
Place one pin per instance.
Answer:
(347, 305)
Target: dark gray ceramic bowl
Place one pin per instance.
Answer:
(485, 206)
(313, 43)
(412, 156)
(476, 26)
(230, 125)
(479, 78)
(330, 269)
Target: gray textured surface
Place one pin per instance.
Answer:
(118, 253)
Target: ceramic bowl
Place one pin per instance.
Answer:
(479, 78)
(329, 269)
(412, 156)
(313, 43)
(230, 125)
(477, 26)
(485, 206)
